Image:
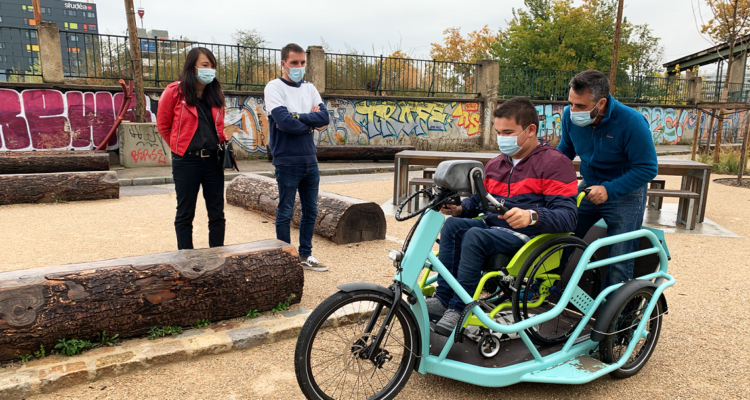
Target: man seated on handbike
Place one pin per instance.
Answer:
(538, 186)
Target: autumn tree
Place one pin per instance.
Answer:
(470, 49)
(729, 24)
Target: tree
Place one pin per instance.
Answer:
(643, 53)
(249, 38)
(553, 34)
(470, 49)
(730, 24)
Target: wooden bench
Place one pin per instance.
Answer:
(688, 211)
(354, 153)
(428, 173)
(414, 185)
(654, 201)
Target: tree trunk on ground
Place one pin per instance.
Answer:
(63, 186)
(38, 162)
(717, 146)
(128, 296)
(375, 153)
(341, 219)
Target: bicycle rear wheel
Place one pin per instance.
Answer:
(330, 361)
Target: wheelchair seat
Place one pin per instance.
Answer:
(497, 262)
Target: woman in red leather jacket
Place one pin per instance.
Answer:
(190, 117)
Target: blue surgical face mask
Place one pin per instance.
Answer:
(205, 75)
(296, 74)
(584, 118)
(508, 145)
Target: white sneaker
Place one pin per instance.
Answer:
(313, 264)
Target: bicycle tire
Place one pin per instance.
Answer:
(620, 340)
(520, 309)
(326, 316)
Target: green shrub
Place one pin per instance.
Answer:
(252, 314)
(729, 161)
(106, 340)
(161, 331)
(201, 323)
(73, 346)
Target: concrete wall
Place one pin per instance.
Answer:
(141, 145)
(669, 125)
(427, 125)
(47, 119)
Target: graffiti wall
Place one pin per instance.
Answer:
(429, 125)
(43, 119)
(667, 125)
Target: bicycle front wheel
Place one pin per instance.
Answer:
(331, 361)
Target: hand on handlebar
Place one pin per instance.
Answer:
(597, 194)
(517, 218)
(450, 209)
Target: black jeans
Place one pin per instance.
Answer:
(190, 173)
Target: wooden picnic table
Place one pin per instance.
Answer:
(695, 175)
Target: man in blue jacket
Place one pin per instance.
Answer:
(618, 159)
(295, 108)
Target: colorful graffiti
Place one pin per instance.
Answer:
(44, 119)
(426, 125)
(667, 125)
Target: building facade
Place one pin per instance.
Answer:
(19, 49)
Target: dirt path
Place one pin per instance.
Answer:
(702, 352)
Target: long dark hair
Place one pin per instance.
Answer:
(213, 94)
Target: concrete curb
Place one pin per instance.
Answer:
(162, 180)
(56, 372)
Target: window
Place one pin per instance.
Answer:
(91, 15)
(46, 10)
(92, 28)
(73, 25)
(70, 13)
(3, 59)
(1, 19)
(73, 49)
(29, 22)
(2, 45)
(31, 35)
(73, 38)
(30, 47)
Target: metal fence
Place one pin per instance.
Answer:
(548, 84)
(19, 54)
(713, 91)
(96, 56)
(390, 75)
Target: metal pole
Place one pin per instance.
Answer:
(135, 59)
(697, 135)
(156, 56)
(615, 50)
(380, 76)
(37, 12)
(237, 82)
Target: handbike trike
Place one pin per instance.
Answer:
(365, 340)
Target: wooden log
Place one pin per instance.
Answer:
(375, 153)
(39, 162)
(62, 186)
(341, 219)
(129, 295)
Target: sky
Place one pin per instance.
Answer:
(375, 27)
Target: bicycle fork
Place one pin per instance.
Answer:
(371, 353)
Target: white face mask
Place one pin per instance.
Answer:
(584, 118)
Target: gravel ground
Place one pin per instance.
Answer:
(700, 354)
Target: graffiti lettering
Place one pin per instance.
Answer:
(44, 119)
(468, 117)
(156, 155)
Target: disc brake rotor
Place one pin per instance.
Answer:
(353, 361)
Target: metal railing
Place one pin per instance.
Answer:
(19, 55)
(548, 84)
(536, 84)
(95, 56)
(390, 75)
(713, 91)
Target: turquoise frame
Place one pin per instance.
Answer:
(529, 371)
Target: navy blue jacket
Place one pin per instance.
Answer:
(617, 153)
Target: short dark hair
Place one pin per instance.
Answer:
(291, 47)
(592, 80)
(519, 109)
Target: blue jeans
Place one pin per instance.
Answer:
(304, 178)
(464, 244)
(621, 215)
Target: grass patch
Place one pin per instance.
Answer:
(283, 306)
(729, 161)
(161, 331)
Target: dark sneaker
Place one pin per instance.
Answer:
(446, 324)
(312, 264)
(435, 309)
